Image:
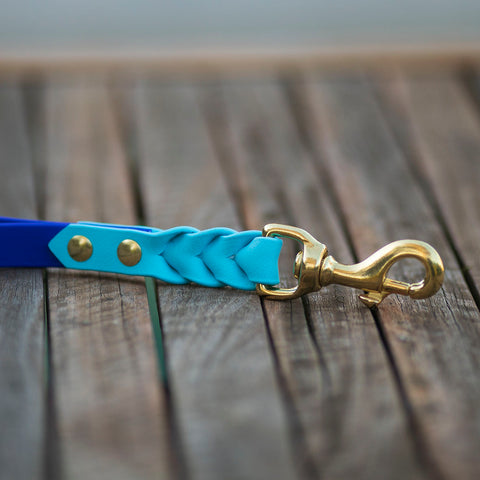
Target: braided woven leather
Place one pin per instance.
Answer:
(214, 257)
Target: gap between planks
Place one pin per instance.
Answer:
(68, 108)
(22, 403)
(222, 380)
(390, 91)
(368, 165)
(279, 207)
(337, 211)
(302, 117)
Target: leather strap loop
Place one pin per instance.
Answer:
(214, 257)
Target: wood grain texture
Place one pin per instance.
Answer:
(22, 405)
(330, 355)
(445, 149)
(434, 343)
(222, 378)
(110, 406)
(315, 388)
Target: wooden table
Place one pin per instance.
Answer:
(104, 376)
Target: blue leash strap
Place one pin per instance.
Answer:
(25, 242)
(215, 257)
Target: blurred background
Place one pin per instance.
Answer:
(126, 28)
(108, 377)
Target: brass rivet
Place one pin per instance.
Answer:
(80, 248)
(129, 252)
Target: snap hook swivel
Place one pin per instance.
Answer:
(314, 269)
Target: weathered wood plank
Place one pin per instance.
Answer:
(22, 405)
(110, 406)
(434, 343)
(222, 378)
(441, 129)
(331, 358)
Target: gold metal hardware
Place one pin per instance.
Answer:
(307, 265)
(315, 269)
(80, 248)
(129, 252)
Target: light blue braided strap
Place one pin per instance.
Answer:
(214, 257)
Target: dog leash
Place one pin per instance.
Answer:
(216, 257)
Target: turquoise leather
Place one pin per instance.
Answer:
(214, 257)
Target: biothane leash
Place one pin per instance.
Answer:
(215, 257)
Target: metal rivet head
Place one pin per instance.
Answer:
(80, 248)
(129, 252)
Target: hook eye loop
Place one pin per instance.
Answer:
(307, 263)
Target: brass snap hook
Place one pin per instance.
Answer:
(315, 269)
(371, 274)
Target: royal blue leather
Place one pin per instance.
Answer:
(25, 242)
(214, 257)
